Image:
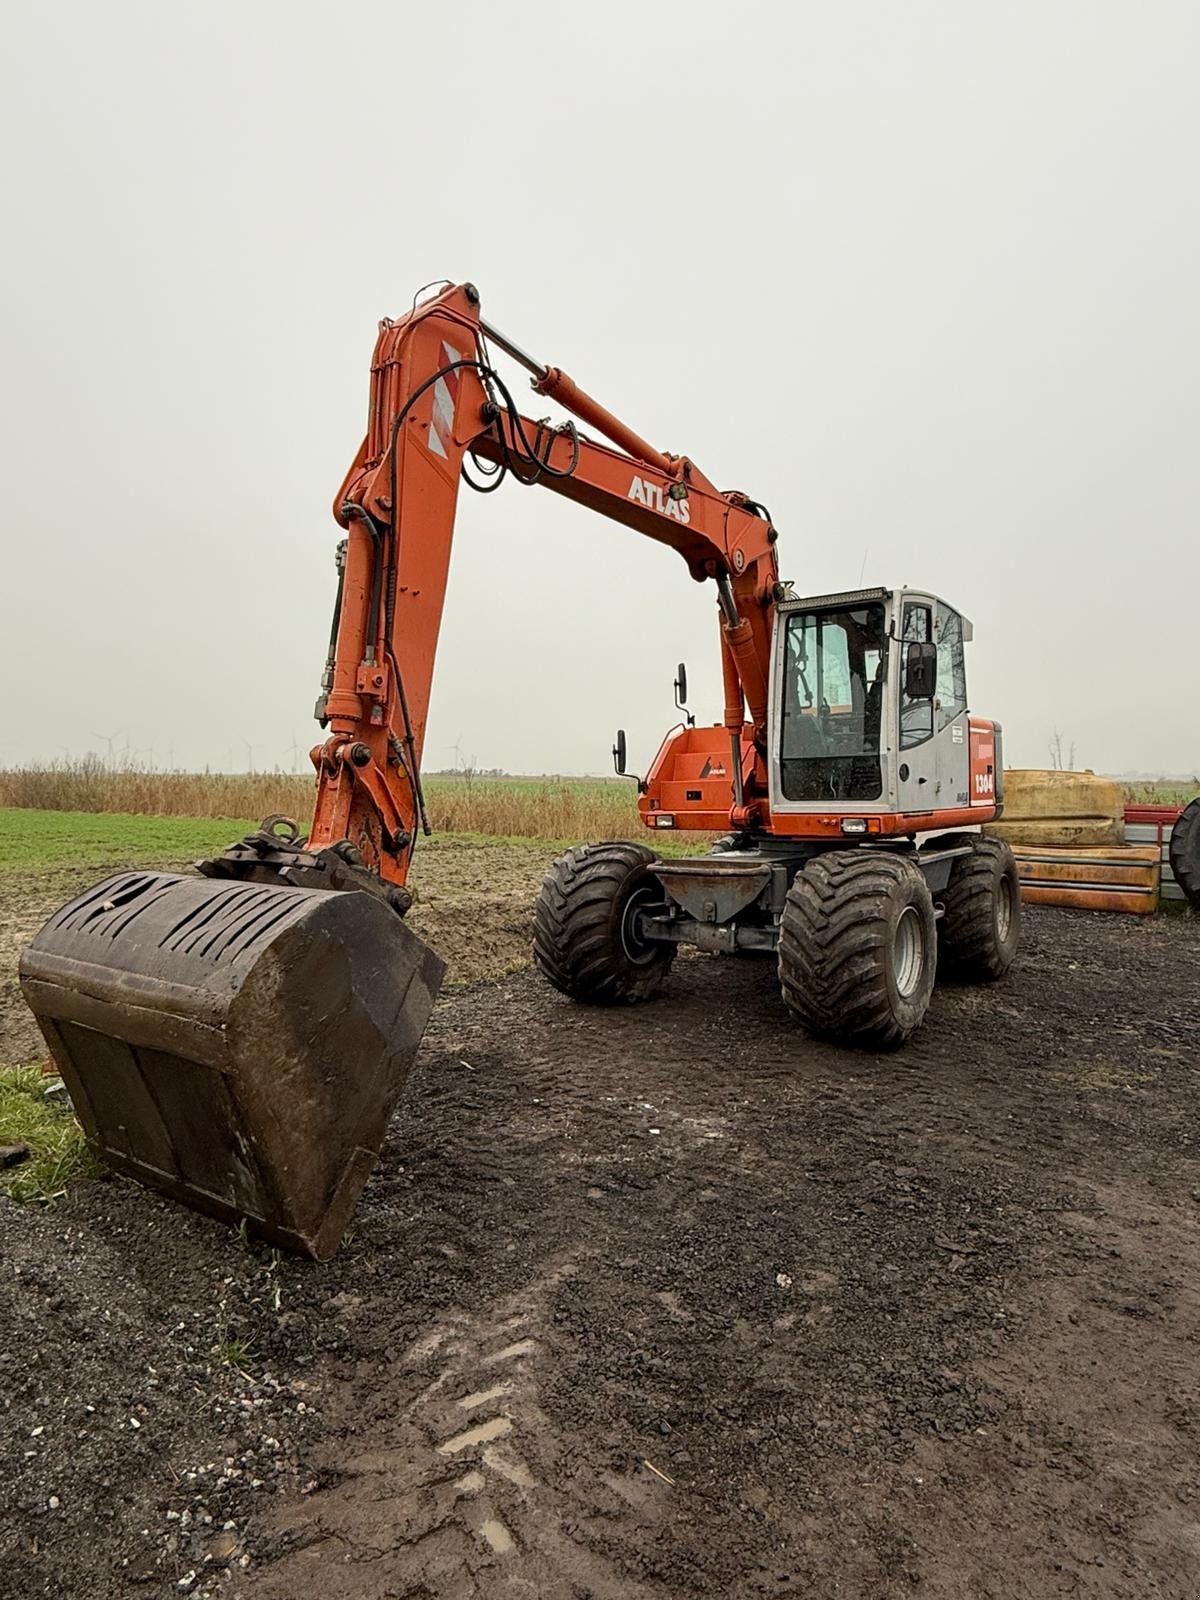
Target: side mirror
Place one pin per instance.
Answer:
(920, 670)
(618, 753)
(681, 695)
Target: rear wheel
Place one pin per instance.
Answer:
(981, 919)
(857, 947)
(586, 940)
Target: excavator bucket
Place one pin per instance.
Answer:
(237, 1046)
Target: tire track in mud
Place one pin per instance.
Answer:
(468, 1491)
(782, 1272)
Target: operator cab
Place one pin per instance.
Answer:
(868, 706)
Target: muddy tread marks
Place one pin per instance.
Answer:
(970, 946)
(1184, 853)
(577, 941)
(835, 947)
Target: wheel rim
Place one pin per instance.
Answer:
(640, 952)
(908, 952)
(1004, 910)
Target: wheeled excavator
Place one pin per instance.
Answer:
(239, 1039)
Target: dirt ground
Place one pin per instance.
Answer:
(657, 1304)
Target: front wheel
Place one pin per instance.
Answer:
(586, 938)
(857, 947)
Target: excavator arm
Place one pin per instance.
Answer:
(440, 414)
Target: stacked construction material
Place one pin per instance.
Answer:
(1113, 877)
(1067, 831)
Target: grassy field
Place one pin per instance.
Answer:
(531, 808)
(47, 842)
(45, 839)
(1159, 794)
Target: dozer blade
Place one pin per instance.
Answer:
(238, 1046)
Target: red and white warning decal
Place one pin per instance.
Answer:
(445, 397)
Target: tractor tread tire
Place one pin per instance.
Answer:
(969, 946)
(577, 937)
(835, 943)
(1184, 853)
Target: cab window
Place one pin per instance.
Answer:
(916, 716)
(952, 671)
(835, 669)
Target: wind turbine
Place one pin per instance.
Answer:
(108, 739)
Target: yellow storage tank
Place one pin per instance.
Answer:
(1059, 808)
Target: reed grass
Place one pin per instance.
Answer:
(540, 808)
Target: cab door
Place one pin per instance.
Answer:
(933, 760)
(916, 769)
(950, 718)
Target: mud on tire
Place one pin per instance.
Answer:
(857, 947)
(584, 941)
(980, 927)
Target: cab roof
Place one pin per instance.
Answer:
(861, 597)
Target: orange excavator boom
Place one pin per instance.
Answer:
(438, 411)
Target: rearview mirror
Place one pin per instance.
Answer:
(681, 696)
(920, 670)
(619, 753)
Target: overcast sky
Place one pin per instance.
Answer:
(924, 278)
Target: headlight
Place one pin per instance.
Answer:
(854, 824)
(663, 819)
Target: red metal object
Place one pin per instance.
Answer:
(1162, 816)
(985, 766)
